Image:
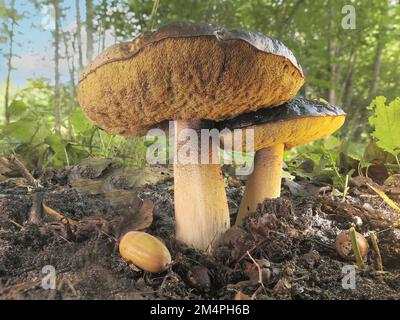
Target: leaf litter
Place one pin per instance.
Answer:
(285, 250)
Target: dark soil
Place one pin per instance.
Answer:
(289, 242)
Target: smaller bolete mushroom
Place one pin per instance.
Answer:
(294, 123)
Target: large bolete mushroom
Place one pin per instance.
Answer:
(188, 73)
(294, 123)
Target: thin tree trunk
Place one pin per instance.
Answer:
(103, 25)
(89, 30)
(285, 21)
(57, 93)
(78, 33)
(376, 70)
(346, 91)
(331, 53)
(9, 64)
(72, 89)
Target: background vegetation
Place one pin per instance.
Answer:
(42, 123)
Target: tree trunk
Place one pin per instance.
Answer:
(331, 53)
(285, 21)
(376, 68)
(9, 64)
(57, 95)
(78, 33)
(102, 36)
(89, 30)
(72, 89)
(347, 89)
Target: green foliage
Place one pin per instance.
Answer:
(307, 28)
(386, 124)
(30, 132)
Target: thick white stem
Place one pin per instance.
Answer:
(264, 182)
(201, 209)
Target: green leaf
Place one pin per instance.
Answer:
(386, 122)
(332, 143)
(79, 121)
(56, 144)
(22, 130)
(17, 108)
(356, 150)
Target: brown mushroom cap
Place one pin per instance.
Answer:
(294, 123)
(189, 72)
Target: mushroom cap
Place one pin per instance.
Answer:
(186, 71)
(293, 123)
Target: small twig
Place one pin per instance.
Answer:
(35, 214)
(109, 236)
(260, 277)
(253, 248)
(16, 223)
(254, 295)
(58, 216)
(13, 163)
(375, 246)
(356, 249)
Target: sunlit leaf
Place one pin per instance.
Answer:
(79, 122)
(386, 122)
(17, 108)
(22, 130)
(332, 143)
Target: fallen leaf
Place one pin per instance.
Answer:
(296, 189)
(241, 296)
(89, 168)
(385, 198)
(137, 215)
(88, 185)
(393, 181)
(377, 172)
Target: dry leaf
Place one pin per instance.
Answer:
(136, 215)
(385, 198)
(241, 296)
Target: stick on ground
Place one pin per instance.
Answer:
(13, 163)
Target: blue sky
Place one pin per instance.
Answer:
(34, 42)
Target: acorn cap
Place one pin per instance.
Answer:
(186, 71)
(294, 123)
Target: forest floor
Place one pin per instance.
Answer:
(289, 242)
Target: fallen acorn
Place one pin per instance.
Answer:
(344, 248)
(145, 251)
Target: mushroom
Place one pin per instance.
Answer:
(294, 123)
(188, 73)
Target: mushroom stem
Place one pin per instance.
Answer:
(264, 182)
(201, 209)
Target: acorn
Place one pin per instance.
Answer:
(344, 248)
(145, 251)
